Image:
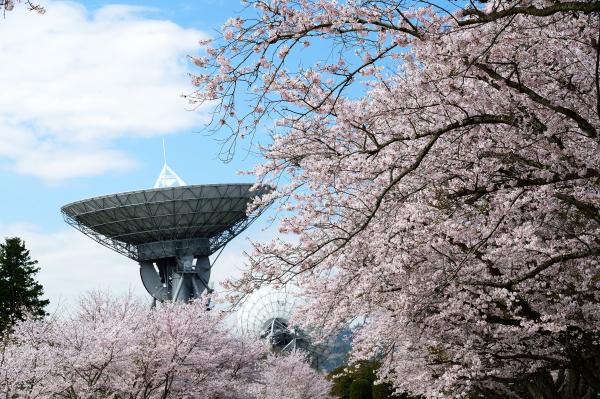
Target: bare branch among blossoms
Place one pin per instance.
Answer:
(500, 11)
(9, 5)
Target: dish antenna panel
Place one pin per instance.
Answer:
(267, 313)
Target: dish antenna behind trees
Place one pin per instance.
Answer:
(267, 313)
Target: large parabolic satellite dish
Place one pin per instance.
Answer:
(170, 231)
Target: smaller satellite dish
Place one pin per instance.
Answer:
(267, 313)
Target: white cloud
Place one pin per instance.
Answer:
(73, 84)
(71, 264)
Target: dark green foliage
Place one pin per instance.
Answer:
(382, 391)
(366, 372)
(20, 294)
(341, 383)
(360, 389)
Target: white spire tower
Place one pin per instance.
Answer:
(168, 177)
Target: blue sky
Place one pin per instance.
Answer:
(88, 91)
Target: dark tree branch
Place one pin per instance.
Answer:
(594, 251)
(570, 6)
(583, 124)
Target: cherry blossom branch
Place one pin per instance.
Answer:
(595, 251)
(562, 7)
(583, 124)
(597, 74)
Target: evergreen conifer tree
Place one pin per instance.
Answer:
(20, 293)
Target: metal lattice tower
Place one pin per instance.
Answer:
(170, 230)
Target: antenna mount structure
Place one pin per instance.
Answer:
(167, 176)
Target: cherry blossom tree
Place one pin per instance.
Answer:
(119, 348)
(291, 377)
(9, 5)
(438, 163)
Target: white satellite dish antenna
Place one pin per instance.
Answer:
(267, 312)
(168, 177)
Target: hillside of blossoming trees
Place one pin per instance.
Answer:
(120, 348)
(438, 165)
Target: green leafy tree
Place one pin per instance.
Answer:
(348, 382)
(360, 389)
(341, 382)
(384, 391)
(20, 293)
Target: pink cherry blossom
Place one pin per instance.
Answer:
(9, 5)
(120, 348)
(439, 168)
